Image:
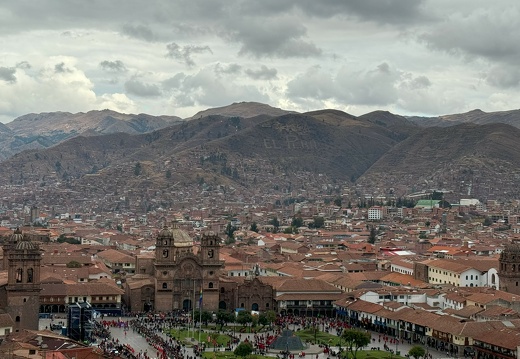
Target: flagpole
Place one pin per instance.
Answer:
(193, 310)
(200, 311)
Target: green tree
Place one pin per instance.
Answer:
(318, 222)
(416, 352)
(290, 230)
(297, 222)
(230, 230)
(275, 223)
(168, 174)
(206, 317)
(437, 196)
(337, 202)
(74, 264)
(487, 222)
(224, 317)
(373, 235)
(263, 320)
(137, 169)
(254, 227)
(243, 349)
(354, 340)
(244, 318)
(271, 316)
(63, 239)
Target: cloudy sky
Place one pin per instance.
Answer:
(426, 57)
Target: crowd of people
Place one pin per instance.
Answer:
(153, 327)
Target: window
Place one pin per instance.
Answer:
(19, 275)
(32, 351)
(30, 274)
(222, 290)
(165, 253)
(165, 285)
(210, 285)
(17, 319)
(267, 305)
(25, 300)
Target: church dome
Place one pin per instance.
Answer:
(25, 245)
(165, 233)
(180, 237)
(17, 236)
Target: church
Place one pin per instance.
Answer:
(179, 276)
(20, 291)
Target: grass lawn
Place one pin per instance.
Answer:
(307, 335)
(376, 354)
(228, 355)
(184, 336)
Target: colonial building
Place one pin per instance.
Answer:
(20, 296)
(247, 294)
(509, 268)
(181, 275)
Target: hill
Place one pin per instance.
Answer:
(289, 155)
(243, 110)
(44, 130)
(476, 116)
(467, 158)
(227, 151)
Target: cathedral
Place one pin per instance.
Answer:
(179, 276)
(509, 268)
(20, 295)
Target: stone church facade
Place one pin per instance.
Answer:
(20, 296)
(177, 276)
(509, 268)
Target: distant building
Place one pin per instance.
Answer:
(509, 269)
(20, 296)
(181, 279)
(375, 213)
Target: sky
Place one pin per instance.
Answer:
(177, 57)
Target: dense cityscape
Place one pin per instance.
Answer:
(417, 270)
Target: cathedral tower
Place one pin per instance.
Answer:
(23, 282)
(211, 266)
(509, 269)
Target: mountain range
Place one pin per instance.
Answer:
(252, 145)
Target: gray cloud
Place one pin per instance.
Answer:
(138, 88)
(273, 37)
(386, 12)
(231, 69)
(61, 68)
(140, 32)
(184, 53)
(415, 83)
(371, 87)
(315, 83)
(263, 73)
(113, 66)
(8, 74)
(173, 82)
(503, 77)
(23, 65)
(491, 34)
(205, 88)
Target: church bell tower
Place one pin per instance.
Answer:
(23, 282)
